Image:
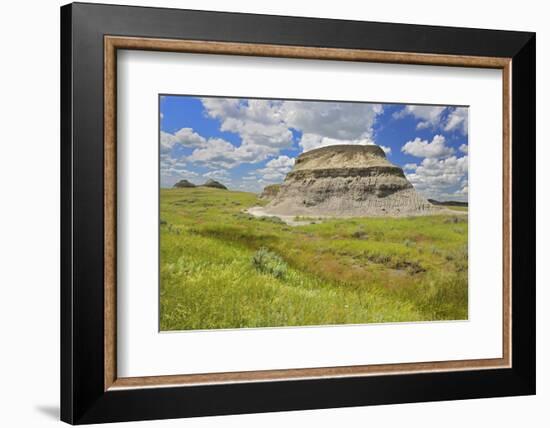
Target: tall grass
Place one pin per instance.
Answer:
(221, 268)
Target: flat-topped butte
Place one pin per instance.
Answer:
(347, 181)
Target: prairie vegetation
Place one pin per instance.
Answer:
(223, 268)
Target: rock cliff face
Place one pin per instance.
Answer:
(347, 181)
(270, 191)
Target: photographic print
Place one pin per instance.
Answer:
(279, 212)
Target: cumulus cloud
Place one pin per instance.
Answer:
(277, 169)
(214, 152)
(425, 149)
(217, 153)
(457, 119)
(173, 170)
(265, 125)
(218, 174)
(438, 178)
(250, 178)
(339, 121)
(258, 123)
(463, 148)
(445, 118)
(184, 137)
(178, 173)
(429, 116)
(187, 137)
(441, 174)
(169, 163)
(167, 141)
(326, 124)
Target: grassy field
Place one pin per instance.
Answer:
(456, 208)
(222, 268)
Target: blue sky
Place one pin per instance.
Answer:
(250, 143)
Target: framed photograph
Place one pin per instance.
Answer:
(266, 213)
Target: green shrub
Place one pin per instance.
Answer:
(268, 262)
(243, 216)
(435, 251)
(456, 220)
(272, 219)
(360, 234)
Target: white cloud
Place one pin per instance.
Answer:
(457, 119)
(410, 166)
(422, 148)
(339, 121)
(439, 178)
(264, 125)
(463, 148)
(258, 123)
(172, 172)
(181, 173)
(217, 153)
(386, 149)
(282, 162)
(276, 169)
(167, 162)
(327, 124)
(218, 174)
(184, 137)
(435, 117)
(214, 152)
(429, 116)
(188, 138)
(167, 141)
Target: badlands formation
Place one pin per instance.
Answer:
(347, 181)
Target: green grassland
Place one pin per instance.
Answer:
(456, 208)
(222, 268)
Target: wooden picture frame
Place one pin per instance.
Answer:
(91, 390)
